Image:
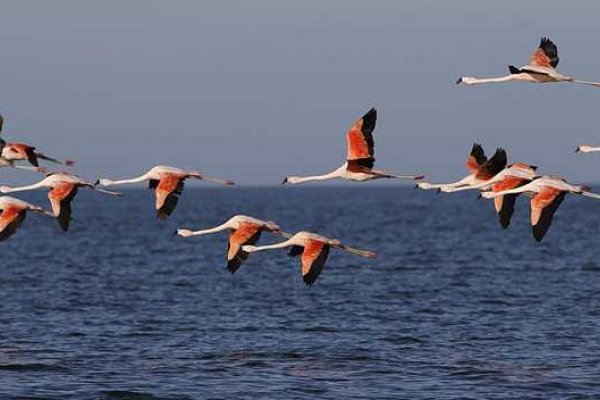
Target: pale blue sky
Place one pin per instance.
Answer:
(255, 90)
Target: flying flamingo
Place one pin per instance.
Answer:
(511, 177)
(244, 231)
(63, 188)
(11, 151)
(314, 249)
(360, 156)
(482, 170)
(12, 214)
(168, 183)
(584, 148)
(541, 69)
(548, 193)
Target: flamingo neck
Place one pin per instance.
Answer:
(301, 179)
(8, 189)
(281, 245)
(216, 229)
(479, 81)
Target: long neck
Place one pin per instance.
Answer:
(301, 179)
(525, 188)
(138, 179)
(447, 187)
(216, 229)
(9, 189)
(479, 81)
(281, 245)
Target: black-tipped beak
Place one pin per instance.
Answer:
(284, 181)
(577, 150)
(459, 80)
(438, 191)
(479, 196)
(174, 233)
(416, 186)
(97, 182)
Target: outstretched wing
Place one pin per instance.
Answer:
(21, 151)
(546, 55)
(493, 166)
(543, 207)
(167, 194)
(60, 197)
(10, 219)
(505, 205)
(476, 159)
(245, 234)
(313, 260)
(361, 147)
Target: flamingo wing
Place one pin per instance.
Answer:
(543, 207)
(546, 55)
(476, 158)
(493, 166)
(505, 205)
(10, 219)
(361, 147)
(313, 260)
(61, 197)
(246, 233)
(167, 193)
(21, 151)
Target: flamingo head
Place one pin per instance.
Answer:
(5, 189)
(249, 248)
(583, 149)
(103, 182)
(467, 80)
(291, 179)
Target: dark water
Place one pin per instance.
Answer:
(452, 308)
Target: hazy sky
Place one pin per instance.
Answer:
(255, 90)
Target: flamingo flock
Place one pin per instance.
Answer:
(494, 178)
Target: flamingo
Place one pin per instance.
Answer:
(359, 159)
(244, 231)
(584, 148)
(482, 170)
(548, 193)
(541, 69)
(12, 151)
(314, 249)
(511, 177)
(63, 188)
(168, 183)
(12, 214)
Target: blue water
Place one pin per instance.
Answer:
(117, 308)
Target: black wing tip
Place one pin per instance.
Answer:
(538, 233)
(308, 280)
(545, 41)
(514, 70)
(162, 215)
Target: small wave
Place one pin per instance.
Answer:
(133, 395)
(33, 368)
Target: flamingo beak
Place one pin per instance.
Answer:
(459, 80)
(439, 191)
(284, 181)
(577, 150)
(97, 182)
(479, 196)
(174, 233)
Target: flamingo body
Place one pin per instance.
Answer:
(167, 183)
(360, 156)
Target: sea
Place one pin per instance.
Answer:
(453, 307)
